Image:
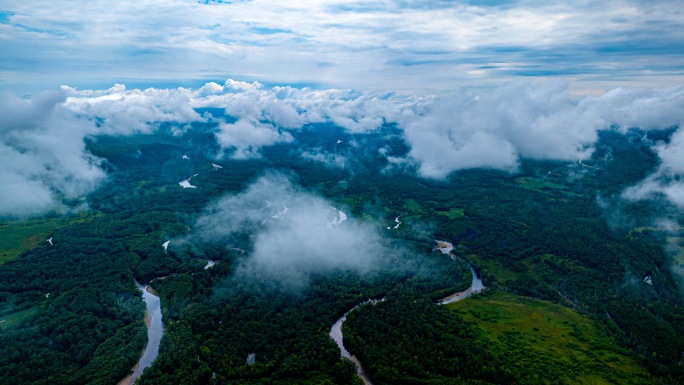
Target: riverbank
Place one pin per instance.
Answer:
(127, 379)
(476, 286)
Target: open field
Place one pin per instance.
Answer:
(545, 343)
(15, 318)
(453, 213)
(539, 185)
(18, 236)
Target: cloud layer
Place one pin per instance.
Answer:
(42, 145)
(262, 115)
(292, 233)
(42, 142)
(391, 45)
(527, 119)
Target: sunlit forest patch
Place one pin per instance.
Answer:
(544, 343)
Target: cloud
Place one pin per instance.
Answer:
(493, 130)
(328, 159)
(43, 155)
(290, 107)
(45, 158)
(668, 180)
(393, 45)
(245, 137)
(292, 233)
(525, 119)
(471, 129)
(122, 111)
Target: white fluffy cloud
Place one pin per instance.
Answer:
(527, 120)
(123, 111)
(293, 233)
(42, 138)
(668, 179)
(42, 154)
(244, 138)
(289, 107)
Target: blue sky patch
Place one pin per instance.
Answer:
(5, 17)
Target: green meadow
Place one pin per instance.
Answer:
(537, 184)
(17, 317)
(453, 213)
(545, 343)
(18, 236)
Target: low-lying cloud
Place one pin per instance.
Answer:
(329, 160)
(262, 116)
(45, 158)
(43, 155)
(525, 119)
(292, 233)
(668, 179)
(120, 111)
(244, 138)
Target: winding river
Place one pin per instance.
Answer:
(155, 330)
(475, 287)
(336, 335)
(336, 330)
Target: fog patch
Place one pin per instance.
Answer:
(329, 160)
(667, 180)
(291, 234)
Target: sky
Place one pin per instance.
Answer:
(417, 47)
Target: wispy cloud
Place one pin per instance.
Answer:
(668, 180)
(292, 233)
(389, 45)
(330, 160)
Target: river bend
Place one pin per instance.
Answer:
(336, 330)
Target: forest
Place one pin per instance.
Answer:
(579, 282)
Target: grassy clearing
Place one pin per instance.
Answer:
(17, 317)
(413, 206)
(453, 213)
(494, 267)
(539, 185)
(18, 236)
(674, 244)
(545, 343)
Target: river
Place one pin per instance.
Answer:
(155, 330)
(336, 330)
(476, 286)
(336, 335)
